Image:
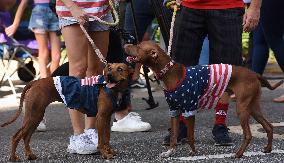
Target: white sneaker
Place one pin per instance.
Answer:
(42, 126)
(93, 135)
(130, 123)
(81, 144)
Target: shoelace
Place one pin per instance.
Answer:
(85, 139)
(134, 116)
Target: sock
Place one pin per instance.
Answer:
(181, 119)
(221, 113)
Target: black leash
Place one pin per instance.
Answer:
(146, 70)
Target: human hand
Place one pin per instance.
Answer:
(81, 16)
(171, 4)
(251, 19)
(11, 30)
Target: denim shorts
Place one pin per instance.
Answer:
(93, 26)
(43, 19)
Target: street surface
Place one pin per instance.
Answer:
(50, 146)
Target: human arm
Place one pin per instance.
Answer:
(20, 11)
(251, 16)
(81, 16)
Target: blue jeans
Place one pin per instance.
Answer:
(204, 54)
(269, 33)
(42, 18)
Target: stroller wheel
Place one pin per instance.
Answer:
(24, 75)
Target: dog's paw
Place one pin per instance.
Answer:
(267, 149)
(192, 153)
(107, 156)
(168, 153)
(112, 151)
(14, 158)
(31, 157)
(238, 154)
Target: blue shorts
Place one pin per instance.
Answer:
(93, 26)
(43, 19)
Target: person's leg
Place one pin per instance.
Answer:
(55, 51)
(260, 51)
(43, 54)
(273, 31)
(77, 51)
(225, 35)
(95, 66)
(76, 47)
(273, 28)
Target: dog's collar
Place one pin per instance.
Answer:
(167, 67)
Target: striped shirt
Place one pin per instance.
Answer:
(201, 88)
(97, 8)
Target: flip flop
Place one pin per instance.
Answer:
(279, 99)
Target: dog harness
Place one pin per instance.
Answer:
(200, 88)
(82, 93)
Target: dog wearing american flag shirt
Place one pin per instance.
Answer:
(192, 89)
(96, 96)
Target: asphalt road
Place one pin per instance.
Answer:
(50, 146)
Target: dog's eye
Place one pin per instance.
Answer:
(119, 69)
(109, 68)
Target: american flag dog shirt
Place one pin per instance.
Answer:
(81, 93)
(200, 88)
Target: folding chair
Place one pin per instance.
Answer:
(11, 49)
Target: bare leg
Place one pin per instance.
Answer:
(77, 56)
(95, 66)
(55, 51)
(43, 56)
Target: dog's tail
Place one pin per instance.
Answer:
(27, 87)
(265, 83)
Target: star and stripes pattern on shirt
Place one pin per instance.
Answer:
(93, 80)
(97, 8)
(220, 75)
(201, 88)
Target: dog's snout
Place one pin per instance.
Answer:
(109, 76)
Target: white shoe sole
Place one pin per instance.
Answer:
(130, 130)
(81, 152)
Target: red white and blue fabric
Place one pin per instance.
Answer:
(80, 93)
(201, 88)
(97, 8)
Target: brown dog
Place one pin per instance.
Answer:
(245, 84)
(40, 93)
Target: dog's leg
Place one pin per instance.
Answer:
(28, 132)
(173, 140)
(258, 116)
(244, 121)
(101, 126)
(190, 123)
(14, 142)
(107, 137)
